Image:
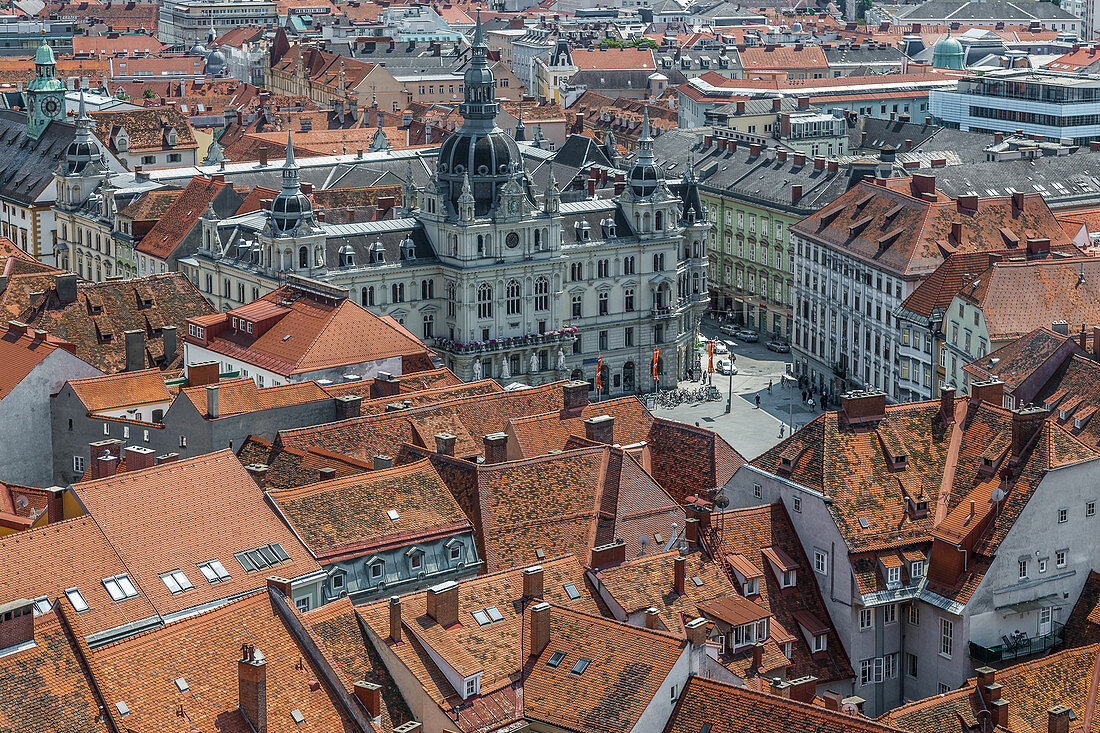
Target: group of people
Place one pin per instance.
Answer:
(808, 395)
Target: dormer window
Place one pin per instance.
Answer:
(820, 642)
(750, 633)
(171, 136)
(347, 256)
(789, 578)
(893, 577)
(378, 253)
(408, 249)
(584, 231)
(916, 569)
(752, 586)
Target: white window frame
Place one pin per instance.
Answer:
(866, 619)
(947, 638)
(821, 561)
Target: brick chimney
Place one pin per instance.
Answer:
(203, 372)
(532, 582)
(348, 406)
(781, 155)
(757, 656)
(1058, 718)
(779, 687)
(387, 385)
(679, 571)
(833, 700)
(803, 689)
(443, 603)
(947, 403)
(539, 622)
(395, 620)
(1026, 424)
(691, 531)
(445, 444)
(600, 429)
(326, 473)
(652, 618)
(369, 694)
(857, 408)
(799, 158)
(609, 554)
(803, 102)
(796, 192)
(696, 631)
(574, 395)
(496, 448)
(282, 585)
(16, 623)
(106, 466)
(990, 392)
(252, 687)
(135, 350)
(819, 162)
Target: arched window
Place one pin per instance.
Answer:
(537, 241)
(695, 283)
(452, 298)
(480, 244)
(429, 323)
(658, 221)
(485, 301)
(303, 257)
(368, 296)
(542, 294)
(427, 289)
(514, 292)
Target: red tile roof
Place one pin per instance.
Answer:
(21, 350)
(613, 59)
(146, 128)
(177, 222)
(729, 709)
(1017, 362)
(237, 396)
(757, 58)
(345, 518)
(40, 562)
(1083, 624)
(47, 687)
(290, 467)
(894, 227)
(1032, 688)
(126, 389)
(311, 333)
(208, 507)
(203, 651)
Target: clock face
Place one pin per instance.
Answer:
(50, 107)
(512, 241)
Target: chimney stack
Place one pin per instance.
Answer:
(326, 473)
(135, 350)
(540, 628)
(382, 461)
(1026, 424)
(757, 656)
(691, 531)
(496, 448)
(679, 572)
(252, 687)
(369, 694)
(1058, 718)
(445, 444)
(947, 403)
(212, 401)
(612, 553)
(395, 620)
(652, 618)
(348, 406)
(575, 395)
(387, 385)
(533, 582)
(258, 472)
(796, 192)
(696, 632)
(443, 603)
(16, 622)
(600, 429)
(168, 340)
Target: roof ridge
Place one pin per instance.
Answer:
(16, 536)
(544, 458)
(322, 487)
(622, 625)
(211, 457)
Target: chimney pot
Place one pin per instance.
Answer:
(443, 603)
(540, 628)
(395, 620)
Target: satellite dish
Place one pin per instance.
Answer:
(643, 542)
(721, 501)
(996, 495)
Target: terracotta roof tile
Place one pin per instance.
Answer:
(627, 666)
(348, 517)
(125, 389)
(729, 709)
(46, 687)
(237, 396)
(40, 562)
(290, 467)
(1017, 361)
(749, 533)
(21, 350)
(146, 128)
(203, 650)
(1032, 688)
(306, 334)
(613, 59)
(177, 222)
(234, 518)
(783, 57)
(1083, 624)
(102, 312)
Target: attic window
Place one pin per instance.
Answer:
(123, 708)
(697, 580)
(297, 717)
(214, 571)
(120, 587)
(176, 582)
(481, 617)
(393, 515)
(863, 522)
(181, 684)
(262, 557)
(580, 666)
(571, 591)
(555, 659)
(79, 604)
(42, 605)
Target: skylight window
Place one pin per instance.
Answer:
(181, 684)
(486, 616)
(555, 659)
(262, 557)
(697, 580)
(393, 515)
(123, 708)
(176, 581)
(297, 716)
(571, 591)
(214, 571)
(481, 617)
(494, 614)
(41, 605)
(79, 604)
(120, 587)
(580, 666)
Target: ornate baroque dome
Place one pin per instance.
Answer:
(290, 207)
(643, 177)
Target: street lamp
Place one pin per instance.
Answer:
(729, 397)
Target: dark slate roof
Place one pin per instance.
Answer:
(29, 164)
(579, 151)
(1061, 180)
(863, 55)
(970, 10)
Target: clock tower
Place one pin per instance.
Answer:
(45, 95)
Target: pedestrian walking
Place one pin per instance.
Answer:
(803, 396)
(811, 403)
(757, 402)
(769, 386)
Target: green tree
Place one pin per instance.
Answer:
(643, 42)
(148, 93)
(611, 43)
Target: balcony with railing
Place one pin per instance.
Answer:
(506, 344)
(1018, 646)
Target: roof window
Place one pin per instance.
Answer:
(487, 616)
(262, 557)
(120, 587)
(555, 659)
(181, 684)
(214, 571)
(41, 605)
(571, 591)
(393, 515)
(580, 666)
(123, 708)
(79, 604)
(176, 581)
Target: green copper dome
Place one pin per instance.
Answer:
(948, 53)
(44, 55)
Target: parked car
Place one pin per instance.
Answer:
(781, 347)
(730, 330)
(720, 347)
(725, 366)
(748, 336)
